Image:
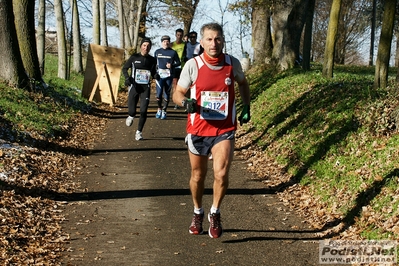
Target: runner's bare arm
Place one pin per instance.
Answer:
(179, 95)
(243, 87)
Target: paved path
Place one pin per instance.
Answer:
(135, 207)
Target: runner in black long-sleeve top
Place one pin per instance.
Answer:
(143, 67)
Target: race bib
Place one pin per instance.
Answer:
(142, 76)
(164, 73)
(214, 105)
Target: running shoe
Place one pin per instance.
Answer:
(215, 227)
(177, 107)
(196, 224)
(129, 120)
(158, 114)
(163, 115)
(139, 135)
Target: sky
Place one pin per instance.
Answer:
(206, 13)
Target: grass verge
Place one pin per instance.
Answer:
(336, 138)
(46, 110)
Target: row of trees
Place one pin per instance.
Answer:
(289, 28)
(284, 32)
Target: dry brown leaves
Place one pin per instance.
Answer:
(30, 180)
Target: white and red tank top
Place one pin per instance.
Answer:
(214, 92)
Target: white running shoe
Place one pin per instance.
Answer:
(129, 121)
(163, 115)
(139, 135)
(158, 114)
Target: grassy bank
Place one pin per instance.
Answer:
(336, 143)
(45, 111)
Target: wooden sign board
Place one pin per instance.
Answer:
(102, 75)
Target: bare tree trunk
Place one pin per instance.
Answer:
(11, 66)
(24, 13)
(189, 15)
(128, 28)
(77, 43)
(261, 28)
(307, 39)
(397, 48)
(41, 35)
(242, 32)
(128, 39)
(372, 33)
(143, 19)
(288, 20)
(397, 58)
(384, 47)
(132, 19)
(328, 62)
(137, 27)
(103, 23)
(121, 24)
(61, 40)
(96, 21)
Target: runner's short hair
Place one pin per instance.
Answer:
(165, 37)
(146, 40)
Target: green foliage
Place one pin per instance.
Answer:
(336, 136)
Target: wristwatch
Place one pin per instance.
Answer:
(183, 103)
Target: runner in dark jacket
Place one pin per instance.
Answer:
(143, 67)
(167, 61)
